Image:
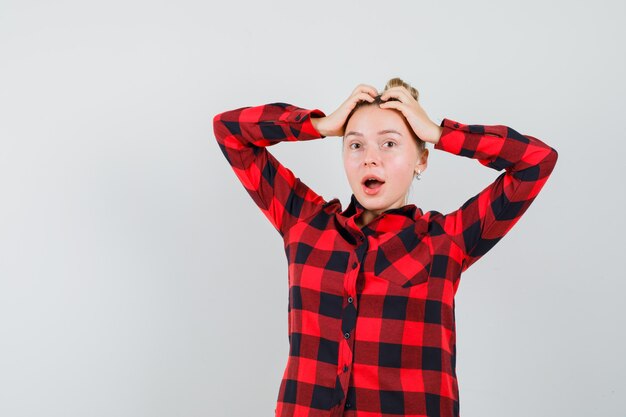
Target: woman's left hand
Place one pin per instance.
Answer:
(424, 128)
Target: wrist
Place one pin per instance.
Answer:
(434, 137)
(315, 121)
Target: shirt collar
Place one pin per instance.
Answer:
(355, 208)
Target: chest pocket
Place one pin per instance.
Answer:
(404, 259)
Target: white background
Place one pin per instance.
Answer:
(138, 278)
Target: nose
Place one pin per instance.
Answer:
(371, 156)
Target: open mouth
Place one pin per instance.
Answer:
(372, 184)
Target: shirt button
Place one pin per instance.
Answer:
(354, 265)
(456, 125)
(346, 335)
(350, 299)
(297, 117)
(348, 405)
(361, 238)
(345, 368)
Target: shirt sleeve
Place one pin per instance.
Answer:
(486, 217)
(243, 135)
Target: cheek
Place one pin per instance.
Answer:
(351, 167)
(400, 166)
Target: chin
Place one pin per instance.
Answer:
(374, 203)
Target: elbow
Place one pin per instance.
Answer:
(227, 123)
(218, 128)
(553, 156)
(554, 153)
(549, 162)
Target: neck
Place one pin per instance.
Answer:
(369, 215)
(366, 217)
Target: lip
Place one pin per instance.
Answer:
(372, 191)
(368, 176)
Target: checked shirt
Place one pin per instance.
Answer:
(371, 310)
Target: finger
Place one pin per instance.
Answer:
(368, 88)
(359, 97)
(400, 93)
(366, 96)
(400, 90)
(398, 105)
(365, 88)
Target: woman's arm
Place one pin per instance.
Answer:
(243, 135)
(486, 217)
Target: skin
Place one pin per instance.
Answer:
(394, 157)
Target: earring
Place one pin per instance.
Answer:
(417, 175)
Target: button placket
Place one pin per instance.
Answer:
(349, 311)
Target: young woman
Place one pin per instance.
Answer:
(371, 288)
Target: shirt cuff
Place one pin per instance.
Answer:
(300, 123)
(452, 136)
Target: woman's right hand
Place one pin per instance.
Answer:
(334, 123)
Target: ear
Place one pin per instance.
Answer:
(422, 161)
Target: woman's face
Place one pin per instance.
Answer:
(378, 143)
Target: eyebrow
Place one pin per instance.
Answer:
(380, 133)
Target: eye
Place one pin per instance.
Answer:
(353, 143)
(392, 142)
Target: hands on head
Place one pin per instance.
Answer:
(397, 98)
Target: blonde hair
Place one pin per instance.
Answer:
(397, 82)
(394, 82)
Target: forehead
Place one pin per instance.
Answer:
(371, 120)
